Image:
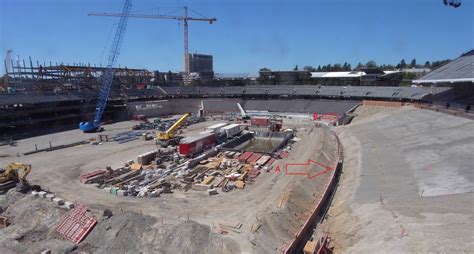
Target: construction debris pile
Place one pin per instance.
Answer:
(128, 136)
(162, 124)
(163, 171)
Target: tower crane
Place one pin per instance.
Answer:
(184, 18)
(7, 61)
(94, 125)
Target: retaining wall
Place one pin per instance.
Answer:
(450, 111)
(389, 104)
(321, 206)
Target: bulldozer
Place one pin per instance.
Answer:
(14, 175)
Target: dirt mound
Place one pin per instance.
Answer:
(33, 225)
(132, 232)
(120, 233)
(9, 198)
(192, 237)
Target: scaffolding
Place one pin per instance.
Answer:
(56, 77)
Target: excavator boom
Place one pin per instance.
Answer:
(14, 173)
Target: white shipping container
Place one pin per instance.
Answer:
(231, 130)
(262, 160)
(216, 128)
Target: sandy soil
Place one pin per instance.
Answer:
(407, 184)
(271, 210)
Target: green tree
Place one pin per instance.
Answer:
(359, 65)
(436, 64)
(337, 67)
(327, 67)
(413, 63)
(319, 68)
(427, 64)
(371, 64)
(296, 68)
(346, 66)
(309, 68)
(403, 64)
(265, 69)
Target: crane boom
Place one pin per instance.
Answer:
(146, 16)
(184, 18)
(109, 73)
(169, 134)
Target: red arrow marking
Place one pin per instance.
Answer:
(277, 169)
(306, 171)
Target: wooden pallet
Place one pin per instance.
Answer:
(76, 224)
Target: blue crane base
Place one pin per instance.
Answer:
(89, 127)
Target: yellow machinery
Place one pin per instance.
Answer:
(14, 174)
(169, 136)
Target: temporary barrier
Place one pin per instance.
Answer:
(76, 224)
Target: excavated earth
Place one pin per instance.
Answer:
(271, 209)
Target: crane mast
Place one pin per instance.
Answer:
(7, 62)
(186, 41)
(184, 18)
(109, 73)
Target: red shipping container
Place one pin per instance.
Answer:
(260, 121)
(196, 144)
(139, 117)
(245, 156)
(252, 160)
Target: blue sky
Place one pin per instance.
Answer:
(248, 35)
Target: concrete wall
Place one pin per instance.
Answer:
(219, 105)
(164, 107)
(390, 104)
(307, 106)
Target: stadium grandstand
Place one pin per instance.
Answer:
(457, 74)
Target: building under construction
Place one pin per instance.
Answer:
(43, 94)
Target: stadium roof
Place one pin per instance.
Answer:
(236, 75)
(459, 70)
(337, 74)
(346, 74)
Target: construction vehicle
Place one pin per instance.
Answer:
(14, 175)
(248, 114)
(94, 125)
(169, 136)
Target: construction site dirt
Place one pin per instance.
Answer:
(262, 218)
(407, 183)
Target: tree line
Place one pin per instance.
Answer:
(371, 64)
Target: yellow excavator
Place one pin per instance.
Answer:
(169, 136)
(14, 175)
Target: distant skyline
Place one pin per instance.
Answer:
(248, 35)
